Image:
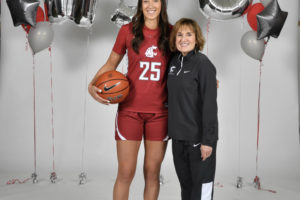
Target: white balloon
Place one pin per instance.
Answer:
(40, 37)
(251, 46)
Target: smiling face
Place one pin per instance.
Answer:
(185, 39)
(151, 9)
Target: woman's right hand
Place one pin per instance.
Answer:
(93, 90)
(111, 64)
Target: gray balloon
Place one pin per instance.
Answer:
(223, 10)
(40, 37)
(265, 2)
(251, 46)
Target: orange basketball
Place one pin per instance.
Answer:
(114, 86)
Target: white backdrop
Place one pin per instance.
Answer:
(237, 98)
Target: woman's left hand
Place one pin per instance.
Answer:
(205, 151)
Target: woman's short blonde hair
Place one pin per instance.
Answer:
(200, 41)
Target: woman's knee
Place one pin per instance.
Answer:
(126, 174)
(151, 172)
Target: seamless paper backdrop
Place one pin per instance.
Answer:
(237, 97)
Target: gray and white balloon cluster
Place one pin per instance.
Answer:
(266, 19)
(32, 17)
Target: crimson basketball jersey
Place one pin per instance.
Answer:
(146, 71)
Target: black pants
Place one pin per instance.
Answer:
(196, 176)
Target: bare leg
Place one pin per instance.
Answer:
(127, 158)
(154, 155)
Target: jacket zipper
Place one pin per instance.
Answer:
(180, 66)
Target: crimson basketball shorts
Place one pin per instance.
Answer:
(135, 126)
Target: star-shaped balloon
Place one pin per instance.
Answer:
(23, 11)
(270, 21)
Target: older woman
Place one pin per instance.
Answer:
(192, 122)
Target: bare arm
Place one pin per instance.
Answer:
(111, 64)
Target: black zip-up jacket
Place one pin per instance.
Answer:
(192, 99)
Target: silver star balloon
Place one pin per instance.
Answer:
(23, 11)
(270, 21)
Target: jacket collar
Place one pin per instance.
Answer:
(188, 56)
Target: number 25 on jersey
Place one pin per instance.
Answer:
(154, 71)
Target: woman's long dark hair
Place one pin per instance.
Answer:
(138, 24)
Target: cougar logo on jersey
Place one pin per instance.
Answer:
(150, 53)
(172, 69)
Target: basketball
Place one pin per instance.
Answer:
(114, 86)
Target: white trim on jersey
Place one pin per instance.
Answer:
(206, 193)
(117, 128)
(166, 138)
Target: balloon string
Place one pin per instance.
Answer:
(239, 123)
(218, 184)
(258, 106)
(26, 43)
(85, 99)
(258, 117)
(52, 109)
(258, 185)
(242, 22)
(207, 33)
(34, 111)
(14, 181)
(257, 179)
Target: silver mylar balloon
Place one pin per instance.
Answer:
(265, 2)
(56, 10)
(270, 21)
(223, 9)
(123, 15)
(82, 12)
(23, 11)
(251, 46)
(40, 37)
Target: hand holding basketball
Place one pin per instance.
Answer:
(93, 90)
(111, 87)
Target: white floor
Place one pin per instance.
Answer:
(99, 187)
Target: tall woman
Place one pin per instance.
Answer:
(143, 114)
(193, 121)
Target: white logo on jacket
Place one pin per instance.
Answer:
(150, 53)
(171, 72)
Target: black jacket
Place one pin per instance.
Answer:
(192, 99)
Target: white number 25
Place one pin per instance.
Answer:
(155, 72)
